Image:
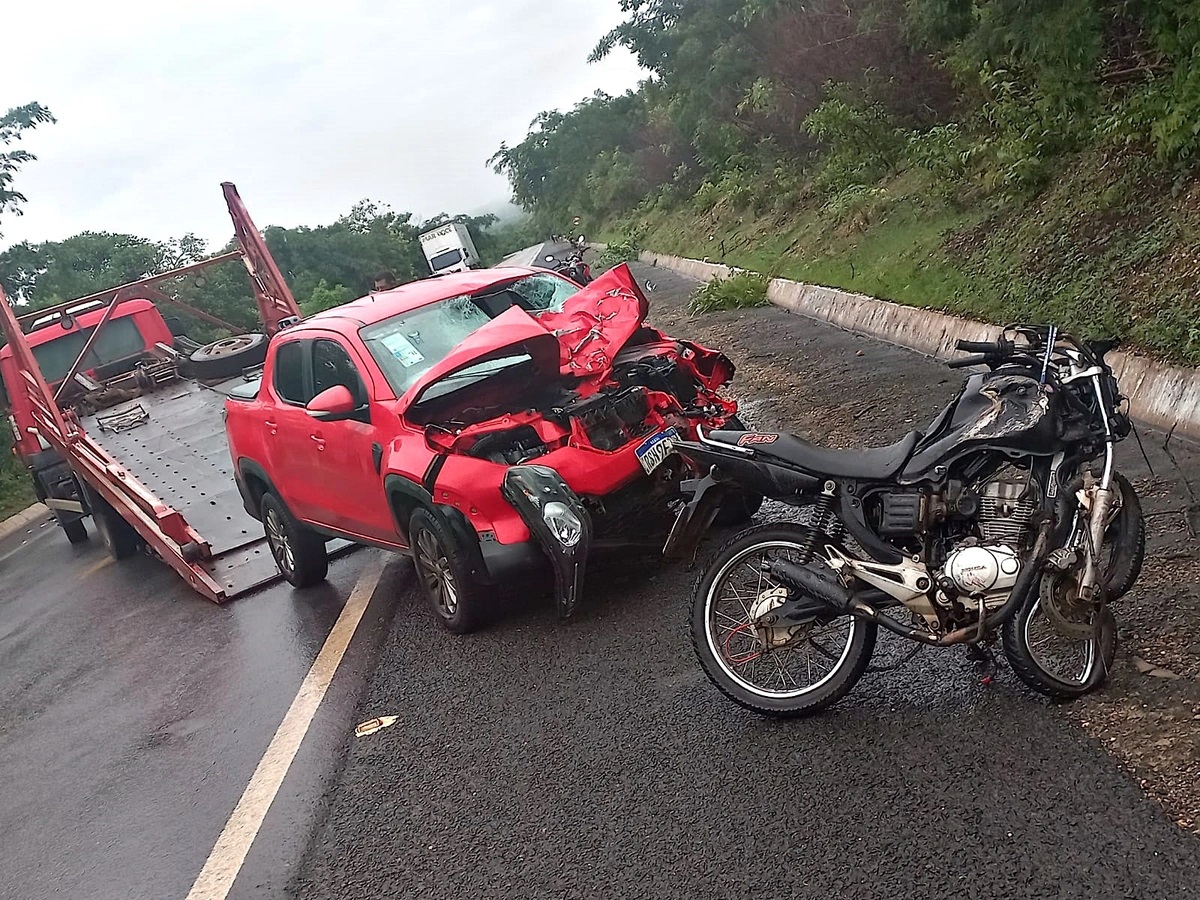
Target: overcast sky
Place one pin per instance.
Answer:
(306, 106)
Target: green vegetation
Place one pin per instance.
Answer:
(737, 291)
(16, 490)
(625, 247)
(325, 266)
(1001, 159)
(12, 125)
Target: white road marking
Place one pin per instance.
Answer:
(225, 861)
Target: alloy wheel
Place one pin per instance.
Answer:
(277, 538)
(433, 568)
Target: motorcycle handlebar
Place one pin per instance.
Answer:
(977, 346)
(966, 361)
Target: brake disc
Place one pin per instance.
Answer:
(775, 637)
(1072, 616)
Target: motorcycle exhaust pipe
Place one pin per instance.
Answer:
(842, 601)
(837, 598)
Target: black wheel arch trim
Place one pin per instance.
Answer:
(247, 466)
(451, 517)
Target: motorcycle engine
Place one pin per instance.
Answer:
(990, 567)
(988, 570)
(1006, 503)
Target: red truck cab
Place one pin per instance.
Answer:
(133, 330)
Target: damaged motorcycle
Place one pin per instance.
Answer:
(1005, 519)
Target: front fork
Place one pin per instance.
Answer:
(1099, 500)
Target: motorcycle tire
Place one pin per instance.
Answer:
(850, 666)
(1126, 538)
(1028, 667)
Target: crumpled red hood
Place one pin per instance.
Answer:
(597, 322)
(591, 329)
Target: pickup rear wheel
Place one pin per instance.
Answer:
(299, 552)
(444, 574)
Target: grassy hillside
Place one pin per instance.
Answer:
(16, 492)
(1109, 247)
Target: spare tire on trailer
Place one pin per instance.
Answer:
(228, 357)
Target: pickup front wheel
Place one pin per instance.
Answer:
(445, 574)
(299, 552)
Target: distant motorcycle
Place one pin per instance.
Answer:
(1005, 517)
(573, 267)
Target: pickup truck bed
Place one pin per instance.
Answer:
(173, 441)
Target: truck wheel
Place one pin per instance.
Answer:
(228, 357)
(76, 531)
(444, 574)
(120, 538)
(299, 552)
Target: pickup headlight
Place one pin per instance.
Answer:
(563, 522)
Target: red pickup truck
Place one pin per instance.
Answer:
(488, 423)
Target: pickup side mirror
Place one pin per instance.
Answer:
(333, 404)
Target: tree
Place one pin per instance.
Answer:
(12, 125)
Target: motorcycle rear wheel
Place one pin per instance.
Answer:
(727, 669)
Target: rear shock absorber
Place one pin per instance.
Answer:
(822, 510)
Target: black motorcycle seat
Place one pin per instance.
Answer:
(872, 464)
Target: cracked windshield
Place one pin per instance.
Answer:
(407, 346)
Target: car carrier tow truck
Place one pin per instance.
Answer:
(132, 431)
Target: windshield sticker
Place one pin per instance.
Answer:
(402, 349)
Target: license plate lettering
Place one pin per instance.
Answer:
(654, 450)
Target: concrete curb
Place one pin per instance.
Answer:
(22, 520)
(1165, 396)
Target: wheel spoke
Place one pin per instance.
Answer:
(792, 669)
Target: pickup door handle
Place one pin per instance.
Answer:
(271, 427)
(318, 440)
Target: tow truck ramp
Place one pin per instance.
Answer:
(161, 460)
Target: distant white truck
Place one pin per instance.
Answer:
(449, 248)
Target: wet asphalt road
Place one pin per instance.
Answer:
(133, 714)
(592, 759)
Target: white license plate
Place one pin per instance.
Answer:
(655, 449)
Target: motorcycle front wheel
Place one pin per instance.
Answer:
(1048, 660)
(800, 673)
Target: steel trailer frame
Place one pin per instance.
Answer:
(163, 528)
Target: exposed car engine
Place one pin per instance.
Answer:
(610, 418)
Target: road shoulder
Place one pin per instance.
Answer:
(23, 519)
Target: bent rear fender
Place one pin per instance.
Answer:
(697, 514)
(558, 522)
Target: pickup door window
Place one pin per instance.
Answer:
(332, 366)
(291, 458)
(348, 485)
(290, 381)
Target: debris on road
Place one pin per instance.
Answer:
(363, 729)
